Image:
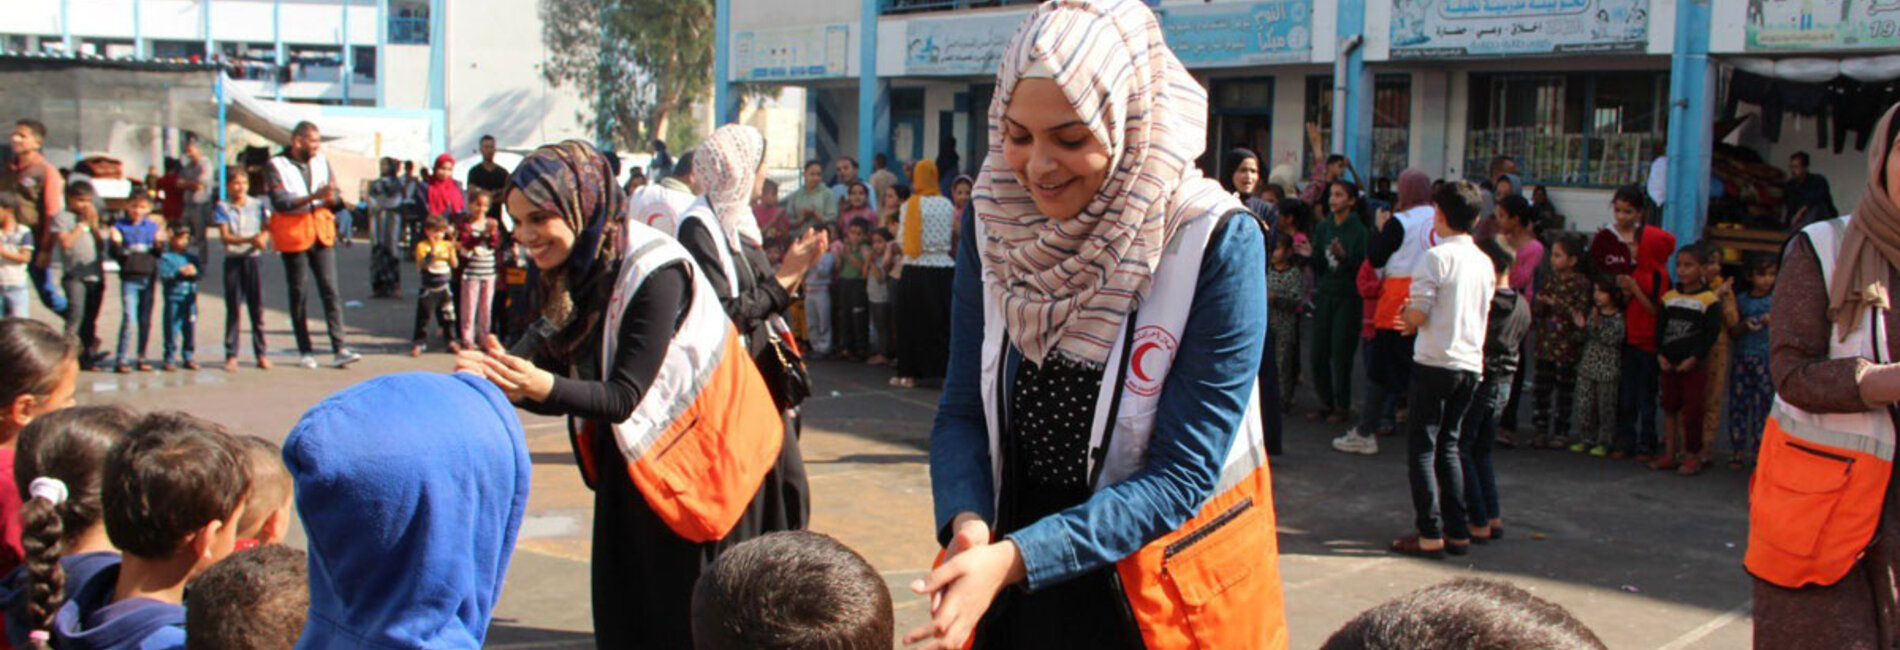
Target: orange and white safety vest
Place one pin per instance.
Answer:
(296, 232)
(1395, 284)
(706, 432)
(1815, 500)
(659, 206)
(1215, 581)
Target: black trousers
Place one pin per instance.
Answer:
(851, 317)
(437, 301)
(924, 321)
(83, 300)
(1440, 398)
(319, 261)
(243, 281)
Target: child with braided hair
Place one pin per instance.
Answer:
(58, 462)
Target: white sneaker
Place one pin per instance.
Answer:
(1353, 443)
(308, 362)
(345, 358)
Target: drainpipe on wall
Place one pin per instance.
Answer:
(1340, 115)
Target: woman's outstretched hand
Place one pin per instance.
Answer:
(517, 378)
(802, 255)
(963, 587)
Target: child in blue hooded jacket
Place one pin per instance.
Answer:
(411, 513)
(173, 491)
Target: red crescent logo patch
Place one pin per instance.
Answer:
(1146, 371)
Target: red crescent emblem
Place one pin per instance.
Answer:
(1148, 339)
(1137, 366)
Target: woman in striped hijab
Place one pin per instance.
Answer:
(1065, 279)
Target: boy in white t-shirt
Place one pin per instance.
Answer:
(16, 249)
(1450, 301)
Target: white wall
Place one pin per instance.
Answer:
(494, 78)
(776, 14)
(30, 17)
(406, 68)
(305, 21)
(111, 18)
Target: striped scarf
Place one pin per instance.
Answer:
(1067, 287)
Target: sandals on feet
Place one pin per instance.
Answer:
(1412, 545)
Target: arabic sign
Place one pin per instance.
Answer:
(1823, 24)
(1234, 34)
(816, 52)
(1460, 28)
(959, 46)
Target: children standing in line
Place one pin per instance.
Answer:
(1715, 401)
(1340, 242)
(1560, 309)
(851, 309)
(241, 221)
(178, 275)
(1636, 255)
(1451, 293)
(1286, 291)
(1751, 389)
(172, 494)
(76, 233)
(16, 249)
(1505, 326)
(877, 288)
(59, 462)
(1691, 318)
(135, 243)
(435, 259)
(1599, 370)
(477, 238)
(818, 301)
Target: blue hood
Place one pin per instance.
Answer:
(411, 489)
(79, 569)
(91, 621)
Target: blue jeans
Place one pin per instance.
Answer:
(1440, 399)
(47, 287)
(181, 321)
(1479, 435)
(1636, 402)
(135, 297)
(16, 302)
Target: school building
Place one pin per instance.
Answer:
(1583, 93)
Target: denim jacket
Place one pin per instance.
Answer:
(1202, 403)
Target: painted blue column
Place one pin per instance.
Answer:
(438, 55)
(211, 44)
(1353, 137)
(138, 29)
(224, 151)
(870, 91)
(349, 53)
(382, 49)
(725, 107)
(881, 133)
(277, 41)
(1691, 104)
(66, 24)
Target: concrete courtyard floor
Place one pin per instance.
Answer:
(1648, 560)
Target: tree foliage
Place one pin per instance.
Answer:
(651, 64)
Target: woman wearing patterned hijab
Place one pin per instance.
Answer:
(1097, 443)
(571, 218)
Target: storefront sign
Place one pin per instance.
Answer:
(1463, 28)
(1219, 35)
(959, 46)
(1823, 24)
(817, 52)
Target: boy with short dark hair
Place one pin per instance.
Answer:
(267, 509)
(1685, 335)
(1506, 325)
(791, 590)
(256, 599)
(1465, 613)
(76, 233)
(436, 259)
(171, 492)
(1449, 302)
(241, 221)
(136, 244)
(178, 275)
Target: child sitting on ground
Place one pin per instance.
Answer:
(173, 491)
(793, 589)
(178, 277)
(1691, 318)
(435, 260)
(1505, 326)
(58, 466)
(1751, 389)
(1465, 613)
(1564, 297)
(413, 532)
(254, 600)
(267, 510)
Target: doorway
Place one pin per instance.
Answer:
(1243, 117)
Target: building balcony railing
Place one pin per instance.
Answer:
(920, 6)
(408, 31)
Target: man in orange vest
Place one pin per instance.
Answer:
(303, 192)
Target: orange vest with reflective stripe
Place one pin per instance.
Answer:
(1815, 500)
(1395, 282)
(296, 232)
(706, 432)
(1215, 581)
